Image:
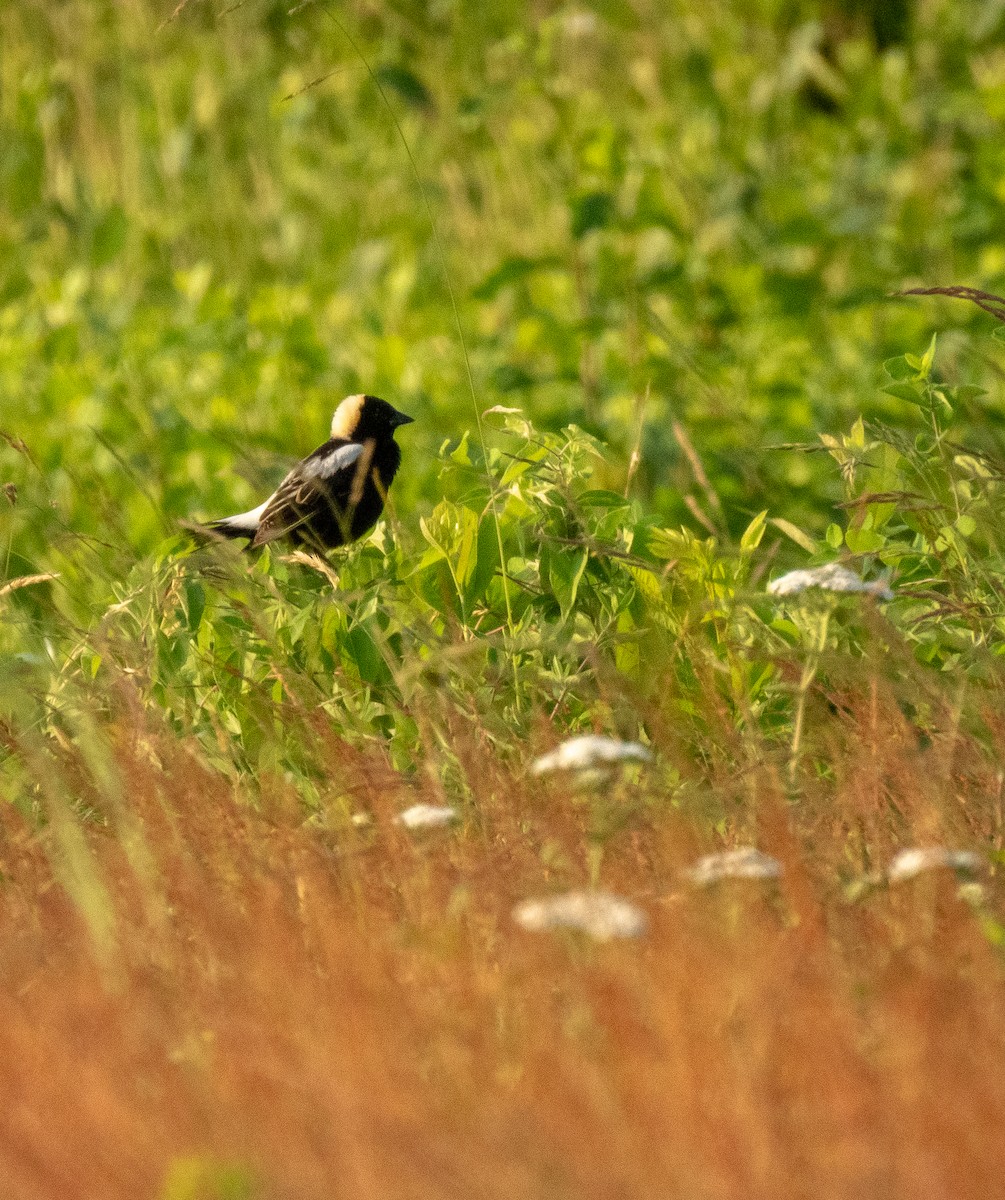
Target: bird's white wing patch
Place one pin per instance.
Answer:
(327, 465)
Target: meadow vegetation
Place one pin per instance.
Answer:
(631, 267)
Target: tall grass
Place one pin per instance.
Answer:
(226, 969)
(280, 1006)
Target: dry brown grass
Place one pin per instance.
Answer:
(353, 1013)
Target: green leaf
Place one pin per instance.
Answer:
(667, 544)
(856, 435)
(899, 368)
(648, 584)
(195, 604)
(461, 454)
(466, 546)
(910, 392)
(406, 83)
(363, 653)
(795, 534)
(943, 398)
(864, 541)
(601, 498)
(565, 570)
(752, 535)
(332, 622)
(487, 560)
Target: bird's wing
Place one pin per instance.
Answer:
(325, 479)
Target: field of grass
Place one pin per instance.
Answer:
(631, 267)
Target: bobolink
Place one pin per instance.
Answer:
(337, 493)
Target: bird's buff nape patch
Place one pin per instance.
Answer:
(346, 417)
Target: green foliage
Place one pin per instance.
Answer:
(931, 510)
(669, 237)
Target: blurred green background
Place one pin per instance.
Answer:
(211, 230)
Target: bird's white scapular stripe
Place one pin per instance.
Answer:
(247, 520)
(327, 465)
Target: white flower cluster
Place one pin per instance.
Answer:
(742, 863)
(830, 578)
(427, 816)
(908, 864)
(590, 753)
(599, 914)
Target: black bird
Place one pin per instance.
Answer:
(337, 493)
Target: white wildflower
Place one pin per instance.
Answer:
(589, 753)
(427, 816)
(831, 578)
(910, 863)
(743, 863)
(598, 914)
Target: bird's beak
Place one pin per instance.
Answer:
(401, 418)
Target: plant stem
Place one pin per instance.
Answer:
(805, 683)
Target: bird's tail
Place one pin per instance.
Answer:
(241, 525)
(227, 528)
